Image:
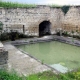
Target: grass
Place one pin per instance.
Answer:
(47, 75)
(5, 75)
(15, 5)
(7, 4)
(56, 6)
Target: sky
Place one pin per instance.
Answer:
(44, 2)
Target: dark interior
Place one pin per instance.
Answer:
(44, 28)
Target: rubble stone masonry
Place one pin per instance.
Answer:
(30, 18)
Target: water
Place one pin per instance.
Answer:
(55, 53)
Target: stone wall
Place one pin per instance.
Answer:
(71, 21)
(3, 59)
(32, 17)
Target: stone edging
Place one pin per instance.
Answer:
(70, 41)
(67, 40)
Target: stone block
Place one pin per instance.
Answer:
(3, 59)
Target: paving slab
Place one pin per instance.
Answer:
(23, 63)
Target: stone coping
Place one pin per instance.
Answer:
(68, 40)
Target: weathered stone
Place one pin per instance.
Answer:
(32, 17)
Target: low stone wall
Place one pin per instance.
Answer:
(68, 40)
(3, 59)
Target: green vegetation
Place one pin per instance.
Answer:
(55, 6)
(13, 36)
(48, 75)
(67, 34)
(20, 5)
(65, 8)
(15, 5)
(4, 75)
(51, 76)
(1, 28)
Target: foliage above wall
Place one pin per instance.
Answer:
(65, 9)
(15, 5)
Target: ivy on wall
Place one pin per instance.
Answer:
(65, 9)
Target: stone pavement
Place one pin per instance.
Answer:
(22, 63)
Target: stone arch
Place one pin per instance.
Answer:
(44, 28)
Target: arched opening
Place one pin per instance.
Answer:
(44, 28)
